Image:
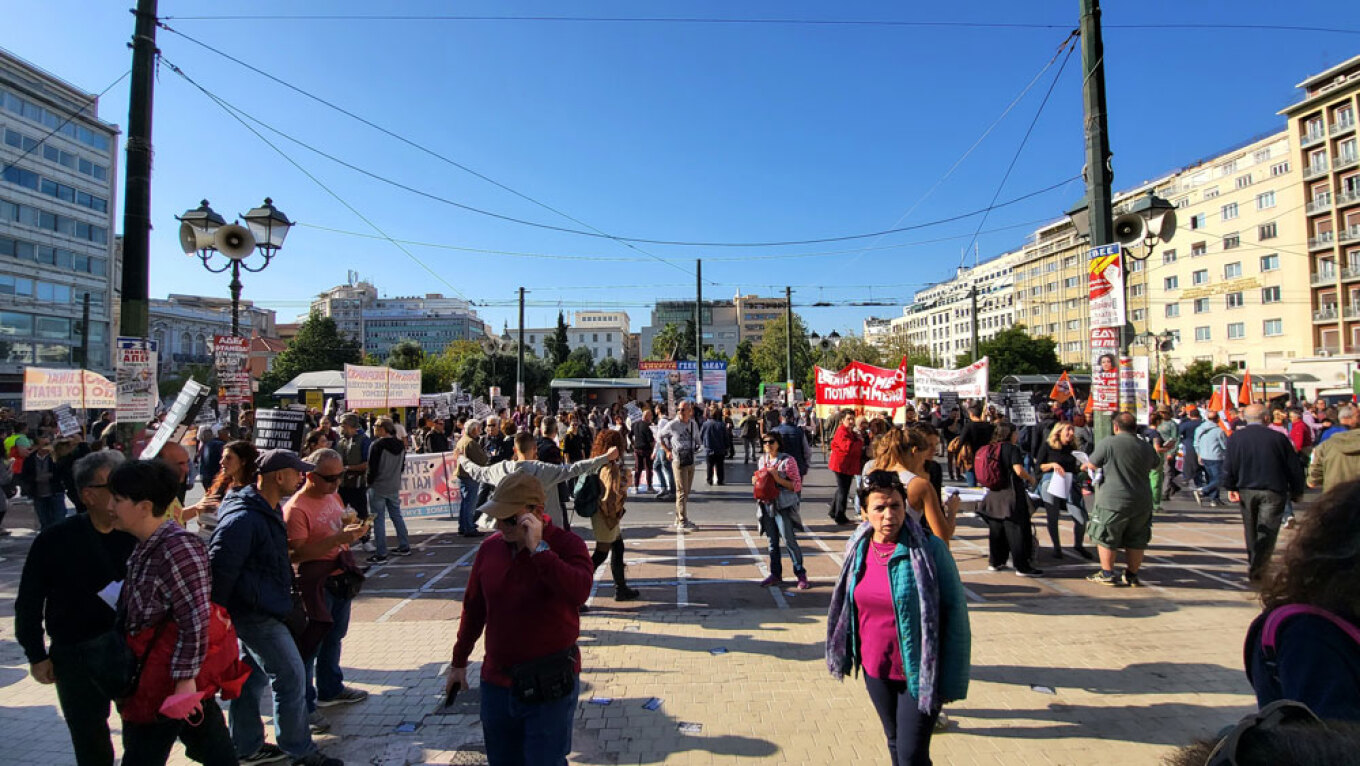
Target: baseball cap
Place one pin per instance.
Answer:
(272, 460)
(512, 494)
(351, 419)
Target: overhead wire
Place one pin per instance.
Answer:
(64, 122)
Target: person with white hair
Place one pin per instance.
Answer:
(469, 444)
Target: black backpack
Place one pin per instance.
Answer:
(589, 492)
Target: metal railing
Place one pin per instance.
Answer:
(1341, 126)
(1348, 196)
(1320, 241)
(1350, 235)
(1313, 137)
(1320, 203)
(1325, 313)
(1315, 169)
(1345, 161)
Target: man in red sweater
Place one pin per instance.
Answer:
(526, 588)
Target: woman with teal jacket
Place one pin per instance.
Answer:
(899, 613)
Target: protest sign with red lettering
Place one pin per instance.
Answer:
(863, 385)
(968, 382)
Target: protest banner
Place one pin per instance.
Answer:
(540, 404)
(365, 387)
(177, 420)
(1136, 386)
(67, 422)
(680, 379)
(231, 361)
(564, 402)
(634, 412)
(280, 429)
(863, 385)
(481, 410)
(429, 485)
(46, 389)
(403, 388)
(1104, 369)
(135, 369)
(1106, 270)
(430, 401)
(499, 403)
(968, 382)
(949, 401)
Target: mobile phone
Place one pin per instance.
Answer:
(450, 696)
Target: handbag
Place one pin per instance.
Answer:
(765, 490)
(112, 666)
(346, 585)
(545, 679)
(296, 621)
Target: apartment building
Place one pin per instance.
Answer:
(605, 333)
(1323, 127)
(345, 304)
(878, 332)
(940, 317)
(754, 312)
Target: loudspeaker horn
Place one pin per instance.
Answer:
(1128, 229)
(193, 239)
(824, 344)
(1164, 225)
(234, 241)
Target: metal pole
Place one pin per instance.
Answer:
(788, 344)
(85, 331)
(972, 296)
(519, 363)
(135, 319)
(235, 409)
(699, 330)
(1098, 171)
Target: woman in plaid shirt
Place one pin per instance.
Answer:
(167, 588)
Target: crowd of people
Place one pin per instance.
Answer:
(249, 589)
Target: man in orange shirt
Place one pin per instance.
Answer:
(319, 537)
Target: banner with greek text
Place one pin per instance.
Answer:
(403, 388)
(863, 385)
(46, 389)
(968, 382)
(429, 485)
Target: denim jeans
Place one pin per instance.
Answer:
(524, 734)
(325, 679)
(274, 662)
(467, 505)
(665, 478)
(50, 510)
(1213, 468)
(381, 506)
(780, 525)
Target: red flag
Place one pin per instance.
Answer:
(1244, 395)
(1062, 390)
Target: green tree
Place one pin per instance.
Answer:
(1015, 352)
(405, 355)
(580, 364)
(169, 387)
(611, 367)
(556, 345)
(770, 355)
(672, 342)
(742, 377)
(1196, 382)
(898, 346)
(477, 373)
(318, 346)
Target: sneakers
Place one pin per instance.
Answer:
(690, 526)
(348, 695)
(1131, 579)
(1199, 497)
(803, 583)
(771, 580)
(318, 722)
(317, 758)
(267, 753)
(1105, 578)
(1029, 573)
(680, 528)
(402, 552)
(625, 593)
(376, 559)
(997, 567)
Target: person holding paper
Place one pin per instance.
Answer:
(1060, 489)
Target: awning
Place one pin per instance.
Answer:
(1267, 377)
(1045, 380)
(331, 383)
(598, 384)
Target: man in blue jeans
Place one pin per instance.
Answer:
(386, 461)
(469, 488)
(252, 577)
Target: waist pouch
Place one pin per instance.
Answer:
(347, 584)
(545, 679)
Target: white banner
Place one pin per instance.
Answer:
(136, 379)
(45, 389)
(968, 382)
(381, 387)
(429, 485)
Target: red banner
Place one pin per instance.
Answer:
(863, 385)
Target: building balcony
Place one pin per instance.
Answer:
(1352, 312)
(1316, 169)
(1350, 196)
(1320, 203)
(1321, 241)
(1349, 235)
(1350, 272)
(1326, 314)
(1326, 351)
(1313, 137)
(1325, 277)
(1345, 125)
(1346, 161)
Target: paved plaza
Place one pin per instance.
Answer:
(1064, 671)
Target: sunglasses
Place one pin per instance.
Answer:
(769, 441)
(329, 479)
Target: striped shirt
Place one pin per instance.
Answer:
(168, 577)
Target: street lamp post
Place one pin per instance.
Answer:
(203, 232)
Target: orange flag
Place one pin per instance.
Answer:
(1159, 393)
(1090, 405)
(1062, 390)
(1244, 394)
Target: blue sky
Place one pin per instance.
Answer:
(671, 131)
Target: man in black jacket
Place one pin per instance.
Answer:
(64, 589)
(436, 440)
(1262, 473)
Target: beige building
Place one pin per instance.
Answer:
(1323, 126)
(940, 317)
(1053, 290)
(754, 312)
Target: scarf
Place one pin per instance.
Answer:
(841, 658)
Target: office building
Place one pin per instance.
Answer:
(57, 202)
(605, 333)
(431, 320)
(721, 332)
(755, 312)
(345, 304)
(183, 326)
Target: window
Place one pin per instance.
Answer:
(1168, 256)
(1201, 305)
(1173, 310)
(1137, 290)
(1261, 155)
(1270, 294)
(1211, 192)
(1229, 211)
(595, 337)
(1231, 241)
(609, 337)
(1266, 231)
(1200, 277)
(1279, 169)
(1171, 283)
(1270, 262)
(1232, 270)
(1202, 333)
(1135, 266)
(1272, 327)
(1071, 281)
(1244, 181)
(1139, 315)
(1074, 324)
(1265, 200)
(1234, 300)
(1237, 330)
(1197, 221)
(1198, 248)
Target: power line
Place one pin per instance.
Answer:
(64, 122)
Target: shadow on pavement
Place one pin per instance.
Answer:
(1142, 678)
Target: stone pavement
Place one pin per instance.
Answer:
(1064, 671)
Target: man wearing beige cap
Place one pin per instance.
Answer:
(527, 585)
(549, 475)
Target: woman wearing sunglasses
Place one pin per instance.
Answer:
(776, 516)
(898, 612)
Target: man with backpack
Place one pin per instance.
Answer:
(1122, 515)
(793, 441)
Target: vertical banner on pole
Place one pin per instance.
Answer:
(1106, 275)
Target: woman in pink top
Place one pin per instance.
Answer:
(776, 517)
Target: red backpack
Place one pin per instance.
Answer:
(987, 468)
(766, 490)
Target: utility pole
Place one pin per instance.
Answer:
(698, 331)
(1098, 171)
(788, 343)
(85, 331)
(519, 363)
(134, 320)
(972, 313)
